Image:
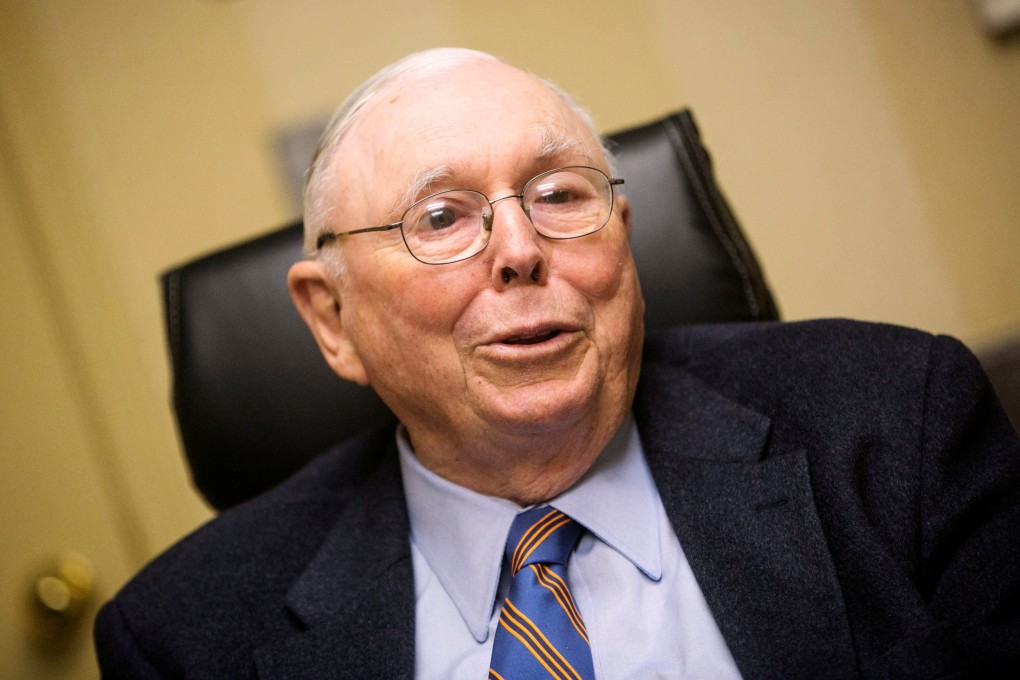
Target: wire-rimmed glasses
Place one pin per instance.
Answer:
(453, 225)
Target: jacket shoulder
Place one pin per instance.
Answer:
(817, 337)
(824, 376)
(802, 354)
(226, 582)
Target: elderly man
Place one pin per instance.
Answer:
(808, 500)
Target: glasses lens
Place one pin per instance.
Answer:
(569, 202)
(447, 226)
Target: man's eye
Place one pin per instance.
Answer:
(439, 218)
(556, 196)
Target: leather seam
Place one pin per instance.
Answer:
(678, 129)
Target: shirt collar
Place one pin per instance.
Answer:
(461, 533)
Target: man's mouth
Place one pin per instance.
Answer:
(532, 339)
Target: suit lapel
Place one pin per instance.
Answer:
(748, 525)
(356, 599)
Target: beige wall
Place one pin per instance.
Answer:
(870, 148)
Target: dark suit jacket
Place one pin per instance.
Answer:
(848, 496)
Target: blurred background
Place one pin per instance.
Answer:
(870, 148)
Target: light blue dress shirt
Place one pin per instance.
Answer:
(645, 614)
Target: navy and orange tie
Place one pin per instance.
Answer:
(541, 634)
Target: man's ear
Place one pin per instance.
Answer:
(317, 298)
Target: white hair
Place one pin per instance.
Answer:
(319, 191)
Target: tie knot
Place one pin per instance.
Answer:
(543, 535)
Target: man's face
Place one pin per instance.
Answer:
(529, 337)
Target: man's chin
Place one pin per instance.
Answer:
(535, 408)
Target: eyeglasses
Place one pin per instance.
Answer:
(454, 225)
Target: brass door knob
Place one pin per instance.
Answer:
(61, 596)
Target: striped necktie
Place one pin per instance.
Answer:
(540, 633)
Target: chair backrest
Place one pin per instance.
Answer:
(254, 398)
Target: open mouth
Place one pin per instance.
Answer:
(534, 339)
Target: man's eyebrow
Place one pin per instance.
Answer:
(557, 144)
(419, 185)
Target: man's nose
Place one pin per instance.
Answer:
(519, 257)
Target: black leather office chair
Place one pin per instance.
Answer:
(254, 398)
